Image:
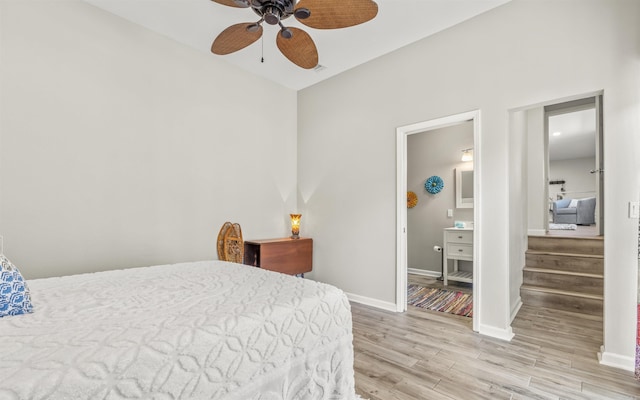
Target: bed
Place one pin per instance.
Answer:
(203, 330)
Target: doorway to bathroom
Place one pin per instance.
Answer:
(436, 187)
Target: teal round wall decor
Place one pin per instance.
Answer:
(434, 184)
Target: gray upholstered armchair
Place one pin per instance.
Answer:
(584, 212)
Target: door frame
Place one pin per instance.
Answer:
(600, 164)
(402, 134)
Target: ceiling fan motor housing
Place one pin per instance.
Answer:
(273, 11)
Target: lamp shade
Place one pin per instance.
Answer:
(295, 225)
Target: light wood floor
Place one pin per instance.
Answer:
(425, 354)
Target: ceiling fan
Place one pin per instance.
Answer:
(294, 43)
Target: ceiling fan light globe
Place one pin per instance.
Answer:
(272, 15)
(302, 13)
(271, 19)
(286, 33)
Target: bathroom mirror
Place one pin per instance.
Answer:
(464, 187)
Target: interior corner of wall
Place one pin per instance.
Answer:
(516, 307)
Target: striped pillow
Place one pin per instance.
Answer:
(14, 293)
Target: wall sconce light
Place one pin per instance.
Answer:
(467, 155)
(295, 225)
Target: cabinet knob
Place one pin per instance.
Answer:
(460, 250)
(459, 237)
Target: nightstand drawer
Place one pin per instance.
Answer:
(460, 236)
(286, 255)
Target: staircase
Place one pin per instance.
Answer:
(564, 273)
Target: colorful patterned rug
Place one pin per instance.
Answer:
(443, 300)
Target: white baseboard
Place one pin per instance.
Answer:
(368, 301)
(424, 272)
(498, 333)
(536, 232)
(516, 308)
(616, 360)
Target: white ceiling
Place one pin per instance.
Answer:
(196, 23)
(577, 137)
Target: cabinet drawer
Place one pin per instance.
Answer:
(460, 237)
(460, 251)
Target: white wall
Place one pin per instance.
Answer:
(518, 206)
(436, 152)
(579, 181)
(498, 61)
(121, 148)
(537, 181)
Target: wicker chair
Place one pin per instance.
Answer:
(230, 243)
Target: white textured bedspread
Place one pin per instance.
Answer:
(205, 330)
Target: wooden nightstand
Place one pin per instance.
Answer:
(286, 255)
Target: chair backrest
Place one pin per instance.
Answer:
(230, 243)
(564, 203)
(588, 200)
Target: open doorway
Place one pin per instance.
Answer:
(563, 269)
(432, 219)
(574, 159)
(430, 166)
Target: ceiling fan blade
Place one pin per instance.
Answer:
(334, 14)
(299, 49)
(236, 37)
(233, 3)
